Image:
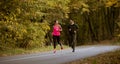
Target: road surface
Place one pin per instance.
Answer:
(61, 56)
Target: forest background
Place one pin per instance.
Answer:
(28, 24)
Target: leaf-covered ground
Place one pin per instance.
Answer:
(107, 58)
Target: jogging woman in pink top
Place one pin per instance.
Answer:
(56, 35)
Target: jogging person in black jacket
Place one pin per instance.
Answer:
(72, 28)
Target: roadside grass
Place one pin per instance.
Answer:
(18, 51)
(106, 58)
(21, 51)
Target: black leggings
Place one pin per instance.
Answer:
(56, 39)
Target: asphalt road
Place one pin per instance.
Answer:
(61, 56)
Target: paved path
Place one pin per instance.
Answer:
(59, 57)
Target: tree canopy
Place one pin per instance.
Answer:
(25, 23)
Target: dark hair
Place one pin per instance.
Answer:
(55, 21)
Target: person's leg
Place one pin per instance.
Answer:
(74, 42)
(54, 43)
(70, 40)
(58, 40)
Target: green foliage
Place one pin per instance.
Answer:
(9, 9)
(24, 23)
(96, 19)
(24, 35)
(51, 9)
(110, 3)
(16, 29)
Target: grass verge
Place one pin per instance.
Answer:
(19, 51)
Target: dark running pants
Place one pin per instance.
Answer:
(56, 39)
(72, 41)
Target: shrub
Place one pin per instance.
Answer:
(24, 35)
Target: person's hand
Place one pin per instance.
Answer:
(69, 29)
(60, 29)
(74, 31)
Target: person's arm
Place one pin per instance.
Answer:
(76, 28)
(69, 29)
(60, 27)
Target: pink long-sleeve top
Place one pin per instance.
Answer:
(56, 30)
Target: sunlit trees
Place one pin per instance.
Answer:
(25, 23)
(96, 18)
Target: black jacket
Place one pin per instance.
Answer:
(72, 28)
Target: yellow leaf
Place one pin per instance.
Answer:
(111, 3)
(85, 10)
(18, 10)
